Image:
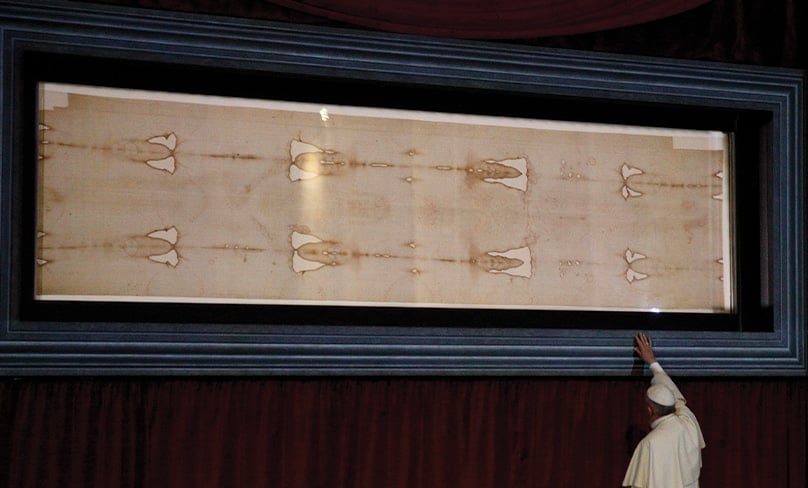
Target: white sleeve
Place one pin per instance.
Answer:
(682, 411)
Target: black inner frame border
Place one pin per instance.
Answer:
(752, 180)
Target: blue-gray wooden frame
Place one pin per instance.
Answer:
(56, 347)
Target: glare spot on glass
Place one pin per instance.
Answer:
(654, 310)
(324, 114)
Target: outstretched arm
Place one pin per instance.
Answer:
(645, 349)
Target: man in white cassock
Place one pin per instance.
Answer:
(670, 455)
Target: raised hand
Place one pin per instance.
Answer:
(644, 348)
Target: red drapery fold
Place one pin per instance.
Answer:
(396, 433)
(747, 31)
(498, 19)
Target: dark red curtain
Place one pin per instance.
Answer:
(741, 31)
(399, 432)
(498, 19)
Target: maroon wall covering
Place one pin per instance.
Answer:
(424, 432)
(395, 433)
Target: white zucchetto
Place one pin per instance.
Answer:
(661, 395)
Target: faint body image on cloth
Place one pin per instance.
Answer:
(153, 196)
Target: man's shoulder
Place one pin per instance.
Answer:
(668, 425)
